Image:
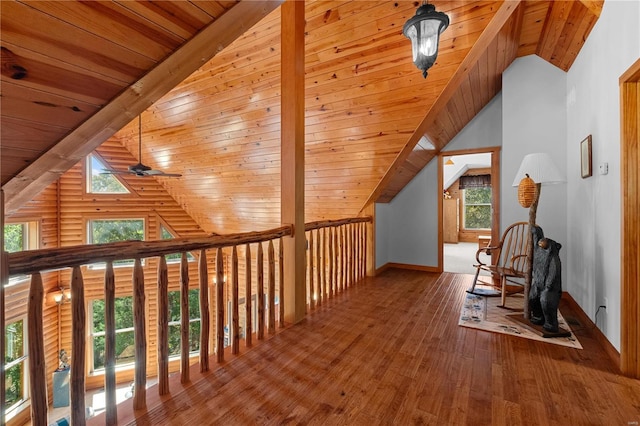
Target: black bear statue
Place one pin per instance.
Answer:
(546, 281)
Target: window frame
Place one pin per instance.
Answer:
(93, 334)
(19, 406)
(178, 323)
(88, 235)
(31, 242)
(163, 225)
(464, 209)
(87, 175)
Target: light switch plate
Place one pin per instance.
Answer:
(604, 168)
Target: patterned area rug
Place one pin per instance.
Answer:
(483, 313)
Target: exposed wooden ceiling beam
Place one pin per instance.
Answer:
(490, 32)
(135, 99)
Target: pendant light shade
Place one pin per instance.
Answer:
(424, 31)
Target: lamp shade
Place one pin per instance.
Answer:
(424, 31)
(541, 168)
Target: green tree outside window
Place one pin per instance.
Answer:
(14, 359)
(477, 208)
(125, 345)
(100, 182)
(174, 321)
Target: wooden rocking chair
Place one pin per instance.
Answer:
(511, 264)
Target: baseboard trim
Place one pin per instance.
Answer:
(609, 349)
(406, 266)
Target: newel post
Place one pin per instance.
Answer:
(292, 159)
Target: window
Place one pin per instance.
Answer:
(165, 234)
(99, 182)
(20, 236)
(125, 345)
(16, 366)
(477, 208)
(174, 322)
(102, 231)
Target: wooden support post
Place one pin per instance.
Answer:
(139, 338)
(248, 315)
(111, 403)
(37, 377)
(4, 279)
(369, 240)
(235, 317)
(292, 156)
(78, 348)
(163, 327)
(184, 319)
(203, 277)
(219, 306)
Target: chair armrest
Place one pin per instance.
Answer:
(487, 250)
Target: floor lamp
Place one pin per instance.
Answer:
(541, 169)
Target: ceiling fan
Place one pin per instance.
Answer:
(140, 169)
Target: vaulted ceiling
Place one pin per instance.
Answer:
(205, 77)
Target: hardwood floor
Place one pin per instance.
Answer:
(389, 351)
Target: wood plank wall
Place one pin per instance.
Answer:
(148, 200)
(43, 209)
(75, 206)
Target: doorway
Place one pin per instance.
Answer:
(470, 188)
(630, 229)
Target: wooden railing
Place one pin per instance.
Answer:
(336, 260)
(336, 256)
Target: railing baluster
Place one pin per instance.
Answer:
(318, 268)
(260, 292)
(272, 289)
(341, 257)
(235, 318)
(219, 306)
(184, 319)
(248, 317)
(140, 339)
(312, 290)
(37, 374)
(324, 264)
(203, 277)
(163, 326)
(281, 281)
(78, 348)
(352, 244)
(330, 261)
(111, 407)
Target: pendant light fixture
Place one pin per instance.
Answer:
(424, 31)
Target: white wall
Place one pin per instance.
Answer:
(534, 120)
(484, 131)
(409, 223)
(593, 105)
(543, 109)
(382, 234)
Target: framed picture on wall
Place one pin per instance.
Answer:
(585, 157)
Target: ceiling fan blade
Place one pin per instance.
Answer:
(161, 173)
(115, 172)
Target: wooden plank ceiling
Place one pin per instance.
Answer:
(367, 106)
